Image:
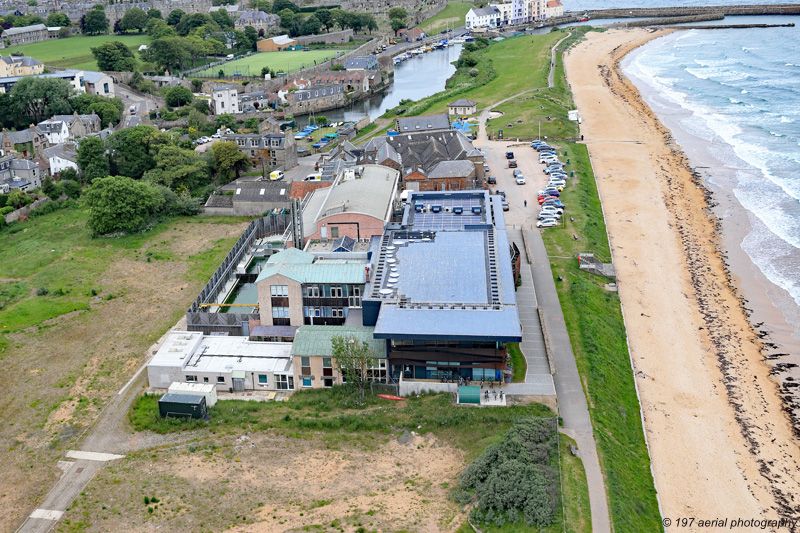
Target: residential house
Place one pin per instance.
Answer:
(411, 34)
(462, 107)
(293, 85)
(74, 77)
(225, 100)
(98, 83)
(358, 205)
(258, 100)
(57, 131)
(20, 174)
(25, 34)
(553, 9)
(249, 199)
(369, 62)
(276, 44)
(449, 309)
(316, 98)
(272, 151)
(297, 288)
(61, 157)
(230, 363)
(351, 81)
(422, 123)
(19, 66)
(80, 125)
(483, 17)
(445, 176)
(258, 20)
(312, 357)
(25, 142)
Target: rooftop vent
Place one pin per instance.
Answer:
(457, 210)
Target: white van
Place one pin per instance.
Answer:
(276, 175)
(313, 177)
(229, 57)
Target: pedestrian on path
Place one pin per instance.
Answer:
(526, 203)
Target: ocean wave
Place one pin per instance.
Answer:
(778, 260)
(786, 119)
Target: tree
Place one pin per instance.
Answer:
(155, 14)
(114, 55)
(175, 16)
(134, 19)
(168, 53)
(35, 99)
(252, 35)
(243, 42)
(222, 18)
(397, 25)
(108, 112)
(398, 13)
(95, 22)
(226, 121)
(18, 199)
(83, 102)
(131, 150)
(287, 18)
(192, 21)
(178, 96)
(64, 32)
(340, 17)
(28, 20)
(158, 29)
(141, 84)
(178, 168)
(70, 187)
(324, 17)
(280, 5)
(251, 123)
(227, 159)
(118, 204)
(58, 19)
(353, 359)
(311, 26)
(50, 189)
(368, 21)
(92, 159)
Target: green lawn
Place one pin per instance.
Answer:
(75, 52)
(518, 362)
(452, 16)
(278, 61)
(593, 317)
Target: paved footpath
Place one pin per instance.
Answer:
(572, 404)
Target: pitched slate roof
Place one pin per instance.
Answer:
(25, 29)
(316, 340)
(462, 102)
(423, 123)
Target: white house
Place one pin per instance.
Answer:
(61, 157)
(226, 100)
(512, 11)
(229, 363)
(483, 17)
(553, 8)
(98, 83)
(57, 131)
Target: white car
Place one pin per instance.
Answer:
(548, 160)
(552, 210)
(547, 223)
(557, 183)
(520, 180)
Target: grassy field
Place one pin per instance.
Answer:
(594, 320)
(75, 52)
(451, 17)
(286, 61)
(518, 362)
(106, 302)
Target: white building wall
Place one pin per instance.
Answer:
(225, 101)
(58, 164)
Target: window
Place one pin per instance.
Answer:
(284, 382)
(334, 232)
(306, 382)
(191, 379)
(262, 379)
(305, 366)
(105, 87)
(327, 367)
(312, 291)
(337, 312)
(279, 290)
(220, 379)
(336, 292)
(205, 380)
(280, 312)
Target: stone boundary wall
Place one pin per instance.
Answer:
(422, 16)
(668, 20)
(24, 211)
(334, 37)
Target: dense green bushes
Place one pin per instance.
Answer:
(514, 480)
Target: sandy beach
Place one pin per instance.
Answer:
(720, 442)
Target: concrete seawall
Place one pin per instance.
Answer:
(764, 9)
(668, 20)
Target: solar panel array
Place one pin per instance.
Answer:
(440, 213)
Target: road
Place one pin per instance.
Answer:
(572, 405)
(143, 105)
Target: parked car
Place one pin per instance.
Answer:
(548, 159)
(485, 167)
(516, 172)
(276, 175)
(552, 209)
(520, 180)
(313, 177)
(553, 167)
(558, 173)
(501, 192)
(512, 163)
(543, 216)
(536, 144)
(550, 191)
(509, 155)
(492, 180)
(553, 203)
(505, 205)
(547, 223)
(544, 199)
(544, 147)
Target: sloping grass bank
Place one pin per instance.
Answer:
(597, 332)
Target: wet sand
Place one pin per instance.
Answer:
(720, 442)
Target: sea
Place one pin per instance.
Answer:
(731, 98)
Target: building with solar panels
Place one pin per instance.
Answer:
(442, 291)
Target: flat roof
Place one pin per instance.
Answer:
(447, 275)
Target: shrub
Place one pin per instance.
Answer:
(42, 291)
(178, 96)
(6, 210)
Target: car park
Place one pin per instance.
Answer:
(512, 163)
(520, 180)
(547, 223)
(509, 155)
(492, 180)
